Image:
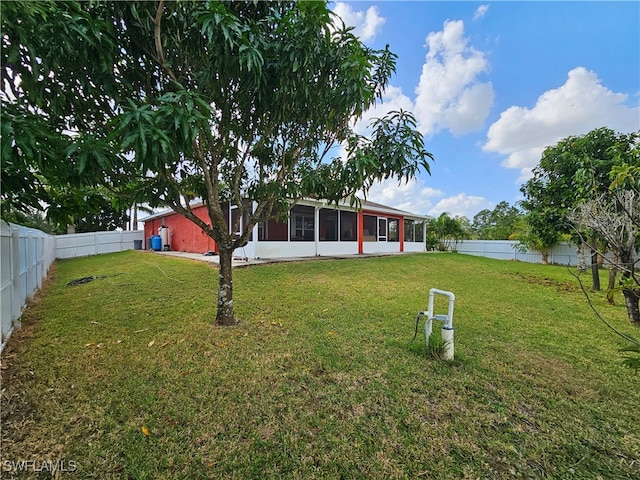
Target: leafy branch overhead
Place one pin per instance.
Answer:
(240, 102)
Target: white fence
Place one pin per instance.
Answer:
(27, 254)
(96, 243)
(561, 254)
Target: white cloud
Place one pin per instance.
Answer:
(366, 23)
(449, 95)
(413, 196)
(416, 197)
(480, 12)
(575, 108)
(461, 205)
(393, 99)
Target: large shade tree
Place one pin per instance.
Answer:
(574, 170)
(230, 102)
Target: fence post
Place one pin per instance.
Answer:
(16, 287)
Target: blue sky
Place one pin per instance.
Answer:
(493, 83)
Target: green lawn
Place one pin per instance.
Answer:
(126, 376)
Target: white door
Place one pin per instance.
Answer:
(382, 229)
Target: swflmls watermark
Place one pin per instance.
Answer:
(37, 466)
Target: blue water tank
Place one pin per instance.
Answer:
(156, 243)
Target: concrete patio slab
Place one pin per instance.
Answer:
(240, 263)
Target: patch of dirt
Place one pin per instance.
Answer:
(555, 374)
(561, 286)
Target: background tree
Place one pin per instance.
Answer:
(88, 209)
(465, 226)
(497, 224)
(574, 170)
(446, 232)
(230, 102)
(529, 238)
(30, 218)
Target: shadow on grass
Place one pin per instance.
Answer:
(418, 350)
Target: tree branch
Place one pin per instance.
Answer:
(188, 213)
(158, 41)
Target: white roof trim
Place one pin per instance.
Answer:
(343, 205)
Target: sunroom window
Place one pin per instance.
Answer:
(348, 226)
(394, 232)
(328, 225)
(370, 228)
(302, 224)
(409, 235)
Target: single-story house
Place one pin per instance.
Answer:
(312, 228)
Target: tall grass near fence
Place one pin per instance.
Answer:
(126, 375)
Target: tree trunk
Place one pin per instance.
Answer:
(545, 256)
(612, 283)
(631, 300)
(134, 224)
(613, 271)
(224, 316)
(595, 273)
(631, 295)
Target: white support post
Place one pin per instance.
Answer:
(316, 229)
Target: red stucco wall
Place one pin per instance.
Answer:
(186, 236)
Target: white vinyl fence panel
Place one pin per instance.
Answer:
(561, 254)
(26, 256)
(96, 243)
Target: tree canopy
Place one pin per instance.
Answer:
(445, 232)
(574, 170)
(232, 102)
(57, 102)
(497, 224)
